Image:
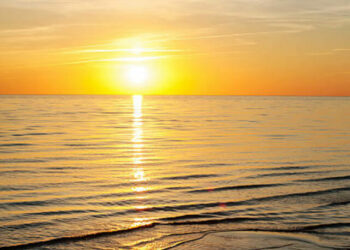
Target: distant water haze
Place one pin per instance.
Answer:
(174, 171)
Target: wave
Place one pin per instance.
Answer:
(81, 144)
(60, 212)
(69, 239)
(234, 188)
(42, 185)
(283, 168)
(324, 226)
(186, 177)
(187, 216)
(250, 201)
(201, 206)
(336, 178)
(126, 184)
(39, 133)
(25, 225)
(311, 193)
(208, 165)
(24, 203)
(16, 171)
(216, 221)
(15, 144)
(284, 174)
(335, 204)
(22, 161)
(171, 208)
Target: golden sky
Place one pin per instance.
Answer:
(221, 47)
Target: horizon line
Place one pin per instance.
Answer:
(174, 95)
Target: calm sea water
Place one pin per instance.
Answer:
(199, 172)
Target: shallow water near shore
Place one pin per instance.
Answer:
(194, 172)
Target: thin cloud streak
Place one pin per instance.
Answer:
(331, 52)
(134, 51)
(121, 59)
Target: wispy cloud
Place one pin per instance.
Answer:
(128, 50)
(119, 59)
(331, 52)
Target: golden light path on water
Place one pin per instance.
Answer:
(138, 170)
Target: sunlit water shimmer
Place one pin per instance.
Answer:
(199, 172)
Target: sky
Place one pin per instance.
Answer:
(201, 47)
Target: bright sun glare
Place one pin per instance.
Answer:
(137, 74)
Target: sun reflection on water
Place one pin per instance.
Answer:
(137, 130)
(139, 189)
(137, 140)
(139, 174)
(137, 102)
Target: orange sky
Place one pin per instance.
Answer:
(223, 47)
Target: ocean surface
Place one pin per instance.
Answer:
(187, 172)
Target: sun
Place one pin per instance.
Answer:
(137, 74)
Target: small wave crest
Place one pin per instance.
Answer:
(186, 177)
(234, 188)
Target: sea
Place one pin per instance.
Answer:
(174, 172)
